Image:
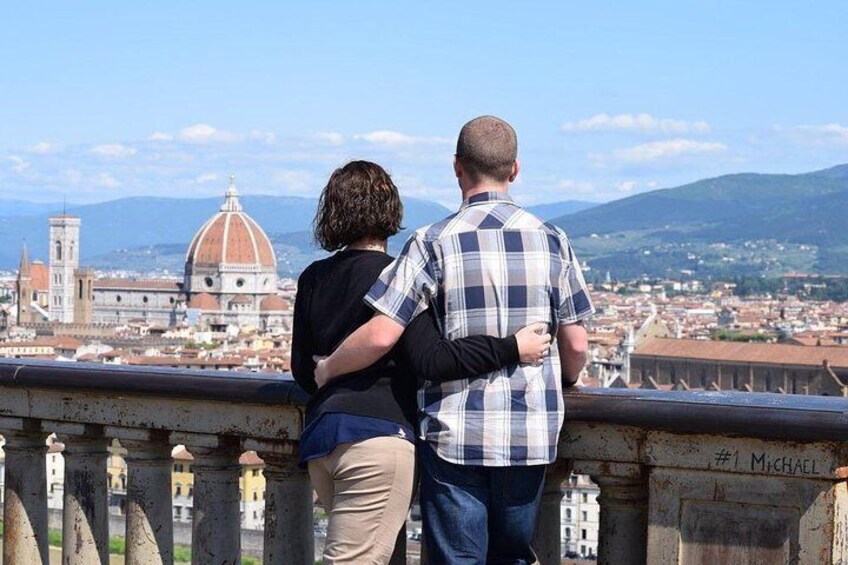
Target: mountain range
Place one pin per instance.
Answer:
(153, 233)
(748, 223)
(743, 223)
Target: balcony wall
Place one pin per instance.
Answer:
(685, 477)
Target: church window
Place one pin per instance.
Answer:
(171, 300)
(118, 298)
(58, 250)
(80, 290)
(240, 283)
(208, 281)
(144, 299)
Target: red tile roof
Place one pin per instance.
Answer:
(742, 352)
(137, 284)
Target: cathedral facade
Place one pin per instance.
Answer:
(230, 279)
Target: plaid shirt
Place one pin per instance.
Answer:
(491, 269)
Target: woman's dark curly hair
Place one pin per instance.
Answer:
(359, 201)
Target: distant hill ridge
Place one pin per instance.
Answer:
(808, 208)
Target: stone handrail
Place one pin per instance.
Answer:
(707, 477)
(216, 415)
(684, 477)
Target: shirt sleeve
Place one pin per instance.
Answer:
(302, 348)
(429, 356)
(575, 304)
(405, 288)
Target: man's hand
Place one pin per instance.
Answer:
(322, 376)
(534, 343)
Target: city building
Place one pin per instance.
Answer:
(580, 517)
(230, 280)
(251, 488)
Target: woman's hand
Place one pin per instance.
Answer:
(534, 343)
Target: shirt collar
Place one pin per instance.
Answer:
(487, 197)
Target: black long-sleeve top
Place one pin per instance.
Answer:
(329, 306)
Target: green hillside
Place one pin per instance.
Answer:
(742, 223)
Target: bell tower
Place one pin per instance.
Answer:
(64, 259)
(24, 288)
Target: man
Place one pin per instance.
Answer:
(491, 268)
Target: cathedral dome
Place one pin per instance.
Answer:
(272, 303)
(231, 237)
(203, 301)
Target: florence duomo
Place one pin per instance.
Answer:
(230, 279)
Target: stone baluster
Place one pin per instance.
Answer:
(547, 540)
(623, 528)
(25, 497)
(216, 521)
(85, 518)
(289, 537)
(150, 521)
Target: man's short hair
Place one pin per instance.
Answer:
(487, 147)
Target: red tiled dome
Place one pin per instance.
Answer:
(273, 302)
(203, 301)
(231, 237)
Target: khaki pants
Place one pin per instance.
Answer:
(366, 488)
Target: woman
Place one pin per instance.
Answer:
(358, 440)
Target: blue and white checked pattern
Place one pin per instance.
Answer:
(491, 268)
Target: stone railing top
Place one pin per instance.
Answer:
(227, 386)
(744, 414)
(749, 414)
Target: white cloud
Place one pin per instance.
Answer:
(640, 123)
(105, 180)
(657, 150)
(113, 150)
(20, 165)
(576, 187)
(41, 148)
(204, 133)
(299, 182)
(826, 133)
(160, 136)
(73, 176)
(390, 138)
(268, 137)
(204, 178)
(627, 186)
(329, 138)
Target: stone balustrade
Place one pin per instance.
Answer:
(684, 477)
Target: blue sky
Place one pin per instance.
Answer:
(100, 100)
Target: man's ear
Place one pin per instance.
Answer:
(515, 168)
(457, 167)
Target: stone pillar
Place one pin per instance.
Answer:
(623, 530)
(289, 537)
(25, 499)
(150, 521)
(547, 540)
(216, 523)
(85, 519)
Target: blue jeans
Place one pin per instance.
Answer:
(475, 514)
